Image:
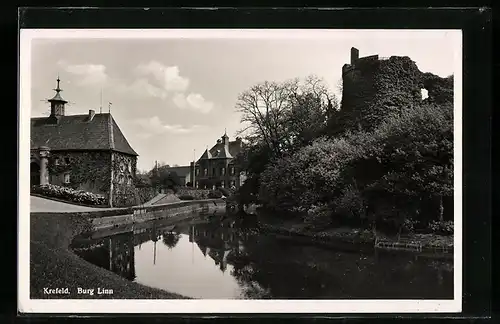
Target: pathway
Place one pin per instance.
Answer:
(38, 204)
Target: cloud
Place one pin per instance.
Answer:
(142, 87)
(168, 77)
(193, 101)
(88, 74)
(155, 126)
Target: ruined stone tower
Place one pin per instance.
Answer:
(374, 88)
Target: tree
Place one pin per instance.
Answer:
(280, 118)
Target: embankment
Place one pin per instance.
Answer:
(54, 265)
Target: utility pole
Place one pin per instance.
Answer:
(194, 168)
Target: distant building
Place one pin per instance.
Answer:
(182, 173)
(217, 166)
(87, 152)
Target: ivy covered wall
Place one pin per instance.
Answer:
(124, 170)
(374, 89)
(87, 170)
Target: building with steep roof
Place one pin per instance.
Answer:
(216, 167)
(86, 152)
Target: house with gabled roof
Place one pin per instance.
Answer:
(85, 152)
(217, 166)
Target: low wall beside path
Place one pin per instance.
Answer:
(113, 217)
(179, 210)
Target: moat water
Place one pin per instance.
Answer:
(227, 259)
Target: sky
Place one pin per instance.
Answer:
(174, 96)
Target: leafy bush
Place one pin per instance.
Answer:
(409, 225)
(445, 228)
(226, 192)
(318, 215)
(186, 197)
(198, 194)
(65, 193)
(350, 204)
(214, 194)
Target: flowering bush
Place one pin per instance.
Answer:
(65, 193)
(197, 194)
(445, 228)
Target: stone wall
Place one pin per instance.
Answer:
(123, 171)
(178, 211)
(87, 170)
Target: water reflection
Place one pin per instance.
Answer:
(227, 259)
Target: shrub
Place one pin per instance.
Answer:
(197, 194)
(214, 194)
(445, 228)
(226, 192)
(318, 215)
(65, 193)
(409, 225)
(351, 204)
(186, 197)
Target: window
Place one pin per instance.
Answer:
(197, 172)
(56, 161)
(223, 171)
(222, 184)
(121, 179)
(205, 172)
(213, 171)
(67, 160)
(66, 178)
(130, 167)
(129, 181)
(231, 170)
(196, 184)
(232, 183)
(122, 167)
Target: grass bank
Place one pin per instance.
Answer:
(355, 238)
(54, 265)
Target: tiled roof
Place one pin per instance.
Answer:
(76, 132)
(181, 171)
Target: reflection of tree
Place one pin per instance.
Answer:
(171, 239)
(268, 268)
(114, 253)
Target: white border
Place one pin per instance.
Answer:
(27, 305)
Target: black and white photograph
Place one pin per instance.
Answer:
(261, 171)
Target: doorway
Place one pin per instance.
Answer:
(34, 173)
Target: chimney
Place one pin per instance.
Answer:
(91, 114)
(354, 55)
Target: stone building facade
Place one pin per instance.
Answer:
(217, 168)
(85, 152)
